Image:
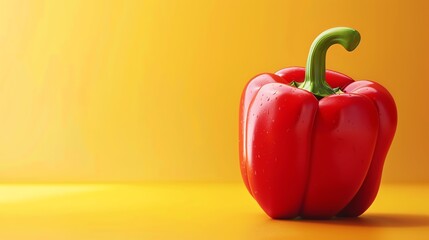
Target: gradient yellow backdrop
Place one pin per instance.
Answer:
(149, 90)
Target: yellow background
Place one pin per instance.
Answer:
(149, 90)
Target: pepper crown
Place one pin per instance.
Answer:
(315, 81)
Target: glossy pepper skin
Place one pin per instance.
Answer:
(313, 142)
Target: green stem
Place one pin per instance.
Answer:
(315, 81)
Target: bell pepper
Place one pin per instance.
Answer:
(312, 142)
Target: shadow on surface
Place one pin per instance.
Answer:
(379, 220)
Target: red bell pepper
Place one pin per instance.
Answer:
(313, 142)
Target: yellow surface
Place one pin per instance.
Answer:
(192, 211)
(149, 90)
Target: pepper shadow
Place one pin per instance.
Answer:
(378, 220)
